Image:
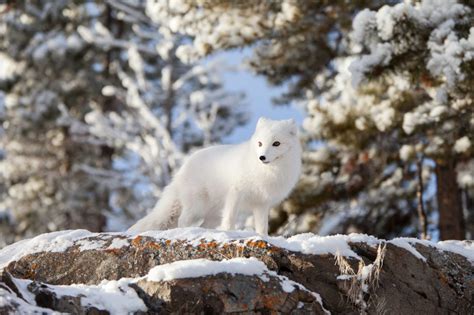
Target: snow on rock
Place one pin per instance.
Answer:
(118, 243)
(464, 248)
(11, 304)
(117, 297)
(404, 243)
(202, 267)
(306, 243)
(196, 268)
(88, 245)
(52, 242)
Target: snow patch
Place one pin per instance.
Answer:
(22, 307)
(115, 296)
(119, 243)
(404, 243)
(90, 245)
(464, 248)
(462, 145)
(196, 268)
(49, 242)
(204, 267)
(307, 243)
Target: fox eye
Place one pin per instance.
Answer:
(259, 144)
(276, 143)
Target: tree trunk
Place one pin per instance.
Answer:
(451, 218)
(469, 211)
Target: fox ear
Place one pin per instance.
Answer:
(292, 126)
(261, 122)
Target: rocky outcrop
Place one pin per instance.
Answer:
(175, 272)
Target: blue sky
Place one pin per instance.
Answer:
(259, 95)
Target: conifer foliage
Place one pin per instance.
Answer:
(388, 91)
(97, 113)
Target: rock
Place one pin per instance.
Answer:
(225, 294)
(306, 274)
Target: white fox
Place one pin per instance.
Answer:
(215, 184)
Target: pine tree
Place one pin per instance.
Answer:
(97, 112)
(167, 108)
(430, 45)
(46, 64)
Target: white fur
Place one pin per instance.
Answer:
(215, 184)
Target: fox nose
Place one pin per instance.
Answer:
(262, 157)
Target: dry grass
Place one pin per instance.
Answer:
(363, 282)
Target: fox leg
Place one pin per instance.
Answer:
(260, 217)
(230, 211)
(194, 210)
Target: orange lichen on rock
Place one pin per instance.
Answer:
(136, 241)
(115, 251)
(258, 244)
(152, 245)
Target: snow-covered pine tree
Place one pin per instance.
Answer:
(430, 46)
(45, 64)
(296, 43)
(412, 103)
(98, 112)
(363, 175)
(166, 108)
(292, 39)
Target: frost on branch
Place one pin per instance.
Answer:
(44, 190)
(292, 40)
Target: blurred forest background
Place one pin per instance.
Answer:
(100, 100)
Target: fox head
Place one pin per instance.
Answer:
(274, 138)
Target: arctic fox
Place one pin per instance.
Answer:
(215, 184)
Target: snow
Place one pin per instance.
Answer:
(306, 243)
(410, 121)
(21, 306)
(52, 242)
(309, 243)
(383, 115)
(380, 32)
(364, 276)
(405, 244)
(8, 67)
(407, 152)
(119, 243)
(362, 23)
(115, 296)
(465, 176)
(462, 145)
(464, 248)
(88, 245)
(381, 55)
(203, 267)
